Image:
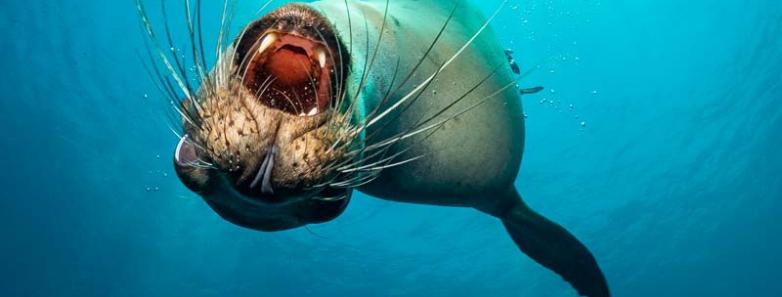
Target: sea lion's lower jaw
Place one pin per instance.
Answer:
(278, 212)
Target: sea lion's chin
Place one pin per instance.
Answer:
(282, 209)
(288, 210)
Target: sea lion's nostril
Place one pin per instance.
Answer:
(185, 151)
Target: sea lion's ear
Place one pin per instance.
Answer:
(555, 248)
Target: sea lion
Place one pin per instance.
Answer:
(409, 101)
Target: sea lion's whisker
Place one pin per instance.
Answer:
(337, 72)
(443, 121)
(443, 67)
(406, 107)
(394, 139)
(164, 87)
(349, 182)
(388, 95)
(219, 42)
(183, 114)
(266, 185)
(198, 63)
(179, 75)
(291, 101)
(264, 86)
(346, 163)
(462, 97)
(183, 86)
(247, 58)
(343, 93)
(154, 72)
(418, 63)
(350, 28)
(346, 169)
(264, 6)
(400, 163)
(261, 169)
(433, 129)
(368, 66)
(410, 132)
(178, 61)
(356, 161)
(366, 180)
(330, 199)
(391, 84)
(243, 65)
(199, 20)
(314, 89)
(376, 171)
(364, 75)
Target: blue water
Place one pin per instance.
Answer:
(657, 142)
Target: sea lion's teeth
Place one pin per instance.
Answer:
(322, 58)
(313, 111)
(267, 41)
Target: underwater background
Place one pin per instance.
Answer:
(657, 142)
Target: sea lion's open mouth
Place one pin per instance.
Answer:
(291, 73)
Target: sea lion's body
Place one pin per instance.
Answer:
(472, 158)
(410, 101)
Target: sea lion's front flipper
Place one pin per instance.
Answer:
(555, 248)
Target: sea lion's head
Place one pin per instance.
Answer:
(268, 128)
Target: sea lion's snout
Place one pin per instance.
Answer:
(269, 131)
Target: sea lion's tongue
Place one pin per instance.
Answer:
(290, 65)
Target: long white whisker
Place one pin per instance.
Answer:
(443, 67)
(161, 54)
(441, 122)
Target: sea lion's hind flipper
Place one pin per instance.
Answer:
(552, 246)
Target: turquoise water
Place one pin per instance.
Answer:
(656, 142)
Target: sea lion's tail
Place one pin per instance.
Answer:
(552, 246)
